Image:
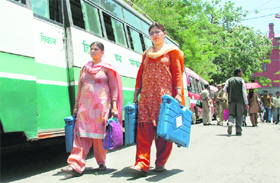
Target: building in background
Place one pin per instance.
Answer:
(269, 70)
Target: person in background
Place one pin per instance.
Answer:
(99, 95)
(271, 107)
(253, 107)
(223, 99)
(160, 73)
(266, 102)
(237, 97)
(206, 102)
(276, 102)
(216, 103)
(261, 114)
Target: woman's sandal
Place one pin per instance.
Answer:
(102, 167)
(138, 170)
(70, 170)
(159, 169)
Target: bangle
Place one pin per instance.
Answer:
(180, 94)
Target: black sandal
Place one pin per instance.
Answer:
(102, 167)
(70, 170)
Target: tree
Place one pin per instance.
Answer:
(245, 49)
(211, 36)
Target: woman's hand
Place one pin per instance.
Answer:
(136, 93)
(135, 99)
(75, 111)
(115, 112)
(179, 99)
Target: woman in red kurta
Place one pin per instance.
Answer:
(161, 72)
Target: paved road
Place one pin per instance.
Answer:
(213, 157)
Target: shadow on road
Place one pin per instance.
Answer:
(35, 160)
(152, 176)
(224, 135)
(158, 176)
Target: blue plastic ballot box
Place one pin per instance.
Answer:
(69, 128)
(130, 123)
(174, 122)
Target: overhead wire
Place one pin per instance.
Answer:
(261, 16)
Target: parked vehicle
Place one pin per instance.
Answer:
(44, 44)
(195, 86)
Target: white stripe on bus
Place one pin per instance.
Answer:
(41, 81)
(17, 76)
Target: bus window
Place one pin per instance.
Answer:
(41, 7)
(55, 11)
(135, 41)
(192, 85)
(199, 86)
(108, 27)
(48, 8)
(114, 30)
(77, 14)
(196, 85)
(119, 32)
(202, 86)
(132, 19)
(142, 42)
(145, 28)
(148, 42)
(91, 19)
(112, 7)
(21, 1)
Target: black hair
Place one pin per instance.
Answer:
(277, 92)
(206, 86)
(237, 71)
(100, 45)
(251, 92)
(158, 25)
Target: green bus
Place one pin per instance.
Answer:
(44, 43)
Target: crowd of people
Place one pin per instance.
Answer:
(232, 96)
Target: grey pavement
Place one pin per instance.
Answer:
(212, 157)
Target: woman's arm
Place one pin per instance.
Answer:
(177, 74)
(114, 92)
(138, 85)
(80, 85)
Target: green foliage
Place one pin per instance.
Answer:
(277, 73)
(211, 36)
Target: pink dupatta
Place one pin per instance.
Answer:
(95, 68)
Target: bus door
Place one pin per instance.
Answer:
(18, 101)
(51, 67)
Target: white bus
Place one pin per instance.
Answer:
(44, 43)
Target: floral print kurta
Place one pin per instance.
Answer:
(158, 75)
(95, 92)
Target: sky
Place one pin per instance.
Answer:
(266, 8)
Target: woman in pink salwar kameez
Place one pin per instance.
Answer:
(99, 96)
